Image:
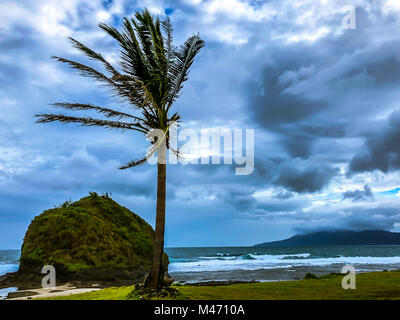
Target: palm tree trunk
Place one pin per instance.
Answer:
(156, 274)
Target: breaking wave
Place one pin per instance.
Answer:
(251, 261)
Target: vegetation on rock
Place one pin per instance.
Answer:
(94, 232)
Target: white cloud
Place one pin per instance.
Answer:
(237, 10)
(230, 33)
(308, 35)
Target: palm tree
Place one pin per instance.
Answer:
(150, 79)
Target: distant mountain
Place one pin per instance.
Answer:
(338, 238)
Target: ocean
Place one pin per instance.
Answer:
(8, 263)
(260, 264)
(275, 264)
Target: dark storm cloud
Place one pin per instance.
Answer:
(298, 145)
(382, 150)
(329, 89)
(357, 219)
(356, 195)
(328, 92)
(305, 179)
(285, 113)
(386, 71)
(275, 208)
(216, 181)
(283, 195)
(325, 130)
(274, 108)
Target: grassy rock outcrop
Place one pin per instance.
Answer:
(90, 240)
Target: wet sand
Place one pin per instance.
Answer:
(48, 292)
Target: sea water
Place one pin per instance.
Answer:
(274, 264)
(260, 264)
(8, 263)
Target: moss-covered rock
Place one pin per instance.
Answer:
(93, 239)
(310, 275)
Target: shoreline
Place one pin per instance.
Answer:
(69, 289)
(370, 286)
(42, 293)
(66, 289)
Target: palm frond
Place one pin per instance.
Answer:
(177, 152)
(133, 163)
(89, 122)
(130, 90)
(175, 117)
(182, 61)
(142, 25)
(113, 32)
(94, 55)
(109, 113)
(168, 47)
(132, 58)
(85, 70)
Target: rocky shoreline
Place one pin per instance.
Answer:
(30, 277)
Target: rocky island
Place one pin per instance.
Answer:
(91, 241)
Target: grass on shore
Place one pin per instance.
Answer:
(369, 286)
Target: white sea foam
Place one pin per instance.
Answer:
(4, 292)
(5, 268)
(255, 262)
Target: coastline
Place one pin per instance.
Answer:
(222, 266)
(40, 293)
(370, 286)
(70, 289)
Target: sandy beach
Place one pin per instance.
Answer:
(39, 293)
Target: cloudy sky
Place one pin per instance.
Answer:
(323, 101)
